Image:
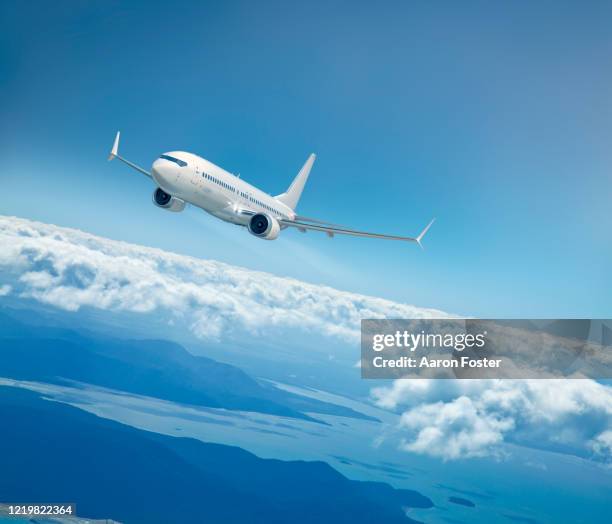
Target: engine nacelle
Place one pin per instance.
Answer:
(167, 202)
(264, 226)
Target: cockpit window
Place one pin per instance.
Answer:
(178, 161)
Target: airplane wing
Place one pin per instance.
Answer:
(115, 154)
(331, 230)
(298, 218)
(301, 218)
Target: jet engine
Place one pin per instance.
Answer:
(264, 226)
(167, 202)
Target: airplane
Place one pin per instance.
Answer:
(184, 178)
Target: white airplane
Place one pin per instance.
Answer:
(184, 178)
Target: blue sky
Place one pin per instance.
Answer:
(495, 119)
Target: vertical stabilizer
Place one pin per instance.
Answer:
(292, 196)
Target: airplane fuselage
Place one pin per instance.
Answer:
(201, 183)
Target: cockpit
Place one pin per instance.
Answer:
(177, 161)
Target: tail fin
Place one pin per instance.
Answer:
(292, 196)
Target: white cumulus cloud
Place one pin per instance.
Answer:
(455, 419)
(602, 444)
(452, 430)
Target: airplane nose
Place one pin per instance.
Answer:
(163, 171)
(158, 167)
(162, 168)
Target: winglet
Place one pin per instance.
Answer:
(422, 234)
(115, 148)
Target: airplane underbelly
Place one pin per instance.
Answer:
(228, 214)
(209, 200)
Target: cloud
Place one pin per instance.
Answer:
(5, 290)
(71, 269)
(452, 430)
(455, 419)
(602, 445)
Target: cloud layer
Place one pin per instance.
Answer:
(454, 419)
(71, 269)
